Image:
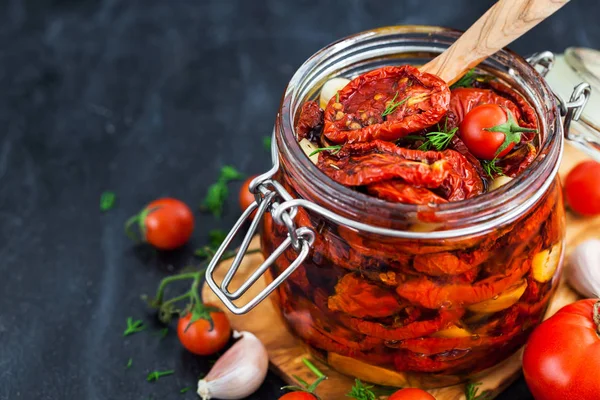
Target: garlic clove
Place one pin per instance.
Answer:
(453, 332)
(366, 372)
(583, 272)
(499, 182)
(239, 372)
(308, 147)
(546, 262)
(330, 88)
(506, 299)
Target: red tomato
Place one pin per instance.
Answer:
(165, 223)
(562, 356)
(411, 394)
(484, 144)
(582, 188)
(247, 197)
(199, 338)
(298, 396)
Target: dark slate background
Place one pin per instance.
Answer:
(149, 98)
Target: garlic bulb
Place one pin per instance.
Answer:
(239, 372)
(499, 182)
(583, 272)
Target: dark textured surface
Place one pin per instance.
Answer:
(148, 98)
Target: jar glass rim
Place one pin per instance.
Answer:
(544, 167)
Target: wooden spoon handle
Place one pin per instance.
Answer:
(504, 22)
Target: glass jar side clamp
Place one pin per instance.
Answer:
(271, 196)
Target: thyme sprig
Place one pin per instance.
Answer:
(156, 375)
(332, 149)
(217, 192)
(490, 168)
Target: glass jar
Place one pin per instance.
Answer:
(398, 294)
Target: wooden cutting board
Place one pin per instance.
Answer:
(286, 352)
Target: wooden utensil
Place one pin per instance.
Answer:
(504, 22)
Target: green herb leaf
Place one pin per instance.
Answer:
(129, 363)
(491, 169)
(472, 392)
(163, 332)
(391, 107)
(337, 96)
(361, 392)
(441, 140)
(133, 326)
(218, 191)
(333, 149)
(466, 80)
(267, 142)
(107, 201)
(216, 237)
(185, 389)
(229, 173)
(156, 375)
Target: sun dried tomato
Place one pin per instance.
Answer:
(376, 161)
(518, 161)
(398, 191)
(452, 263)
(436, 345)
(386, 103)
(404, 330)
(310, 121)
(432, 294)
(359, 298)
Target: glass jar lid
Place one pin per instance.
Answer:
(579, 64)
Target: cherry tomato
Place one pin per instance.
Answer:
(199, 338)
(246, 197)
(562, 356)
(483, 143)
(165, 223)
(411, 394)
(582, 188)
(298, 396)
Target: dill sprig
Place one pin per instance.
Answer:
(490, 168)
(133, 326)
(393, 105)
(361, 391)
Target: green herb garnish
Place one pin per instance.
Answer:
(185, 389)
(156, 375)
(440, 140)
(337, 96)
(163, 332)
(361, 392)
(305, 386)
(129, 363)
(133, 326)
(218, 192)
(466, 80)
(107, 201)
(267, 142)
(216, 237)
(472, 392)
(391, 107)
(490, 168)
(332, 149)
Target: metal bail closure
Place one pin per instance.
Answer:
(300, 239)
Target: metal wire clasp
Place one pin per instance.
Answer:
(270, 195)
